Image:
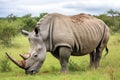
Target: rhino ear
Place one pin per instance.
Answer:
(26, 33)
(36, 31)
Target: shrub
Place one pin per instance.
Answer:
(7, 31)
(28, 23)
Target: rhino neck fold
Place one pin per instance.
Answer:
(48, 41)
(46, 32)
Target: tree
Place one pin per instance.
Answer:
(28, 23)
(8, 30)
(11, 17)
(106, 19)
(112, 12)
(40, 16)
(112, 19)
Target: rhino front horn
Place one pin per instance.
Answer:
(20, 64)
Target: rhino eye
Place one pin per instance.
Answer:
(35, 55)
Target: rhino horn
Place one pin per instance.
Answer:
(20, 64)
(24, 56)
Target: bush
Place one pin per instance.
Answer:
(28, 23)
(11, 26)
(5, 65)
(8, 30)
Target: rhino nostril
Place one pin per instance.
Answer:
(33, 71)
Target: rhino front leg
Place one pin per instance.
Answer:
(64, 53)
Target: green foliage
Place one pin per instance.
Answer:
(106, 19)
(8, 30)
(40, 16)
(112, 12)
(28, 23)
(112, 19)
(11, 17)
(5, 65)
(11, 26)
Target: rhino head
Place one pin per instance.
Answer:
(32, 61)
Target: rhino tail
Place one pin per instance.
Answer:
(107, 50)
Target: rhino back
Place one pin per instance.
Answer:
(81, 35)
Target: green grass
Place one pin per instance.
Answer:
(109, 68)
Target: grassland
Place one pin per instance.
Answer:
(109, 68)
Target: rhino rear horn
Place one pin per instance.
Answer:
(24, 56)
(20, 64)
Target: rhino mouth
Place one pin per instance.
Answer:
(19, 63)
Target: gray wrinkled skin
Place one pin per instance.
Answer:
(64, 36)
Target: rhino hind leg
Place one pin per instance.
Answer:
(100, 48)
(95, 57)
(92, 59)
(98, 55)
